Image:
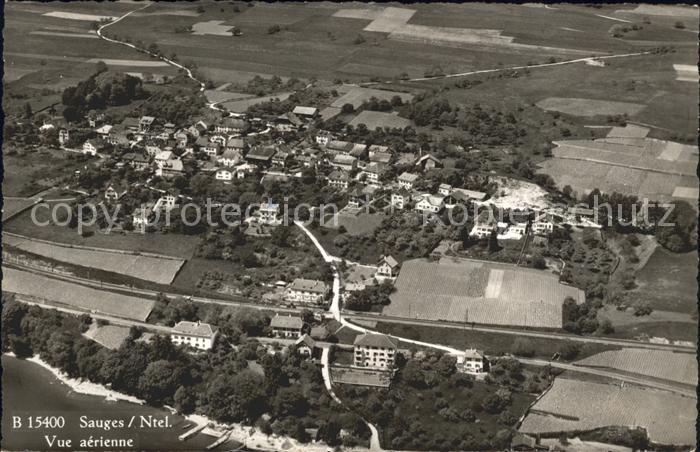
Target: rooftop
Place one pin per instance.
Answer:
(308, 285)
(286, 321)
(376, 340)
(194, 329)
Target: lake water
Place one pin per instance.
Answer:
(31, 390)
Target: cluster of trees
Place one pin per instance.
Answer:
(175, 107)
(464, 414)
(374, 104)
(582, 318)
(219, 384)
(98, 92)
(261, 86)
(370, 297)
(491, 127)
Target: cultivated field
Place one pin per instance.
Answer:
(155, 269)
(646, 167)
(75, 295)
(481, 292)
(588, 107)
(572, 405)
(668, 281)
(374, 119)
(678, 367)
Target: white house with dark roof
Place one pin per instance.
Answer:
(430, 203)
(339, 179)
(406, 180)
(305, 345)
(195, 334)
(400, 198)
(428, 162)
(324, 137)
(472, 361)
(229, 157)
(145, 123)
(224, 175)
(387, 268)
(306, 291)
(286, 326)
(375, 350)
(268, 213)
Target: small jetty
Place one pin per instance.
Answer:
(191, 432)
(224, 437)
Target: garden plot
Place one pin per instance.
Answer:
(75, 295)
(155, 269)
(374, 119)
(481, 292)
(572, 405)
(678, 367)
(686, 72)
(212, 27)
(589, 107)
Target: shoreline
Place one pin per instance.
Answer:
(247, 435)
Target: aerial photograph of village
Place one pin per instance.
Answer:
(344, 226)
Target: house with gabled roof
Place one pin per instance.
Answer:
(261, 155)
(306, 346)
(145, 123)
(306, 291)
(229, 158)
(198, 334)
(428, 162)
(375, 350)
(286, 326)
(339, 179)
(387, 268)
(305, 112)
(406, 180)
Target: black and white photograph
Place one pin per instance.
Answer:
(349, 226)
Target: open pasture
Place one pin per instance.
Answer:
(668, 281)
(572, 405)
(665, 365)
(588, 107)
(481, 292)
(374, 119)
(75, 295)
(155, 269)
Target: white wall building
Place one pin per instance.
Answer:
(374, 350)
(195, 334)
